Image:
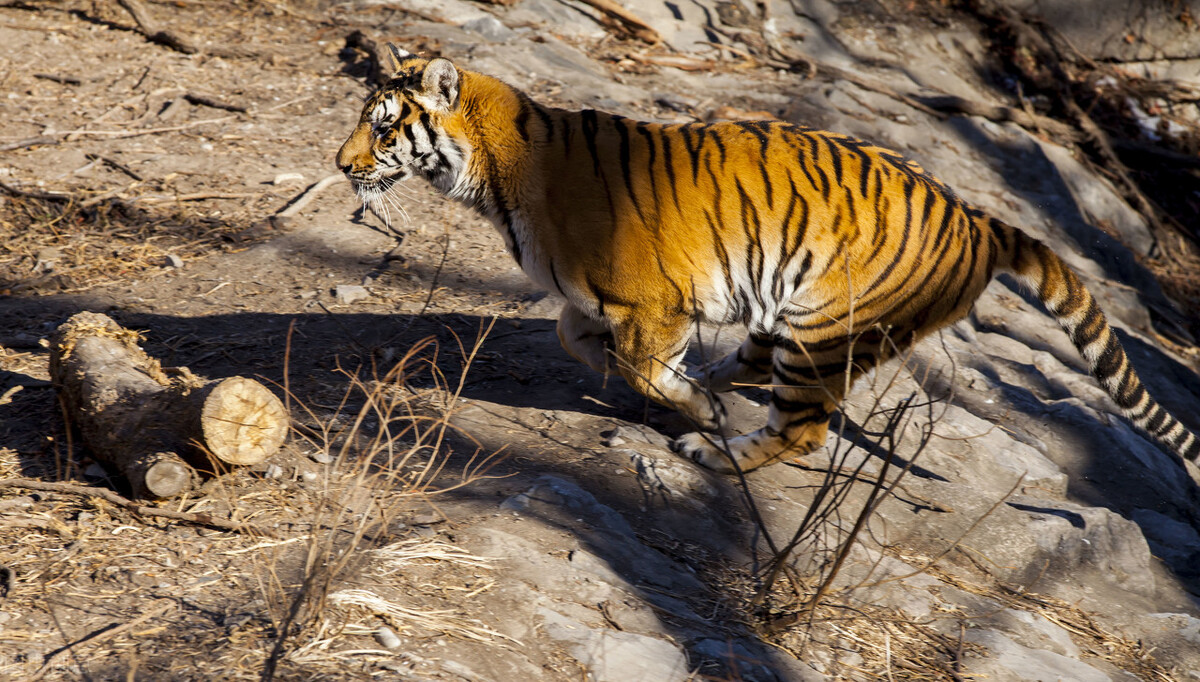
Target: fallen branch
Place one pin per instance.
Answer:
(197, 196)
(952, 104)
(119, 134)
(288, 212)
(159, 608)
(36, 194)
(30, 142)
(630, 22)
(197, 518)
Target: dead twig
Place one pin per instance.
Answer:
(101, 635)
(152, 32)
(280, 219)
(206, 101)
(201, 519)
(114, 164)
(65, 80)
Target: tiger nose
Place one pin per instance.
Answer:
(346, 169)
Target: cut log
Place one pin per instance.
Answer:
(156, 425)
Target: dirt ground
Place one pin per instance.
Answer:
(149, 197)
(145, 184)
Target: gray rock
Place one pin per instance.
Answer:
(635, 435)
(1010, 661)
(1172, 540)
(670, 475)
(350, 293)
(606, 533)
(612, 656)
(1099, 29)
(489, 27)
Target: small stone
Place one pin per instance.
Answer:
(174, 261)
(350, 293)
(387, 638)
(273, 471)
(321, 457)
(309, 476)
(284, 178)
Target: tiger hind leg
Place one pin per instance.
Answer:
(749, 365)
(588, 341)
(805, 392)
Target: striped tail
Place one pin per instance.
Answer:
(1064, 295)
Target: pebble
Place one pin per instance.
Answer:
(387, 638)
(350, 293)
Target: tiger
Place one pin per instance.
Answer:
(834, 253)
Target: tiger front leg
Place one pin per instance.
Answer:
(650, 356)
(749, 365)
(588, 341)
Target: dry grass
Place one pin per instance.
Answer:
(346, 559)
(51, 246)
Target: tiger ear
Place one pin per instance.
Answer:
(439, 86)
(395, 56)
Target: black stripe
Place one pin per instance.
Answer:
(1110, 360)
(835, 158)
(797, 406)
(1156, 420)
(669, 167)
(590, 127)
(547, 121)
(522, 120)
(554, 276)
(693, 151)
(719, 247)
(1088, 329)
(1128, 396)
(715, 136)
(626, 170)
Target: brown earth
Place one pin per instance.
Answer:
(137, 197)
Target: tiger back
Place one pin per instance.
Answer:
(834, 253)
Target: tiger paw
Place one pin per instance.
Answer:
(704, 449)
(707, 413)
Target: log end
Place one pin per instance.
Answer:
(243, 422)
(159, 475)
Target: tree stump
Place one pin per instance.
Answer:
(156, 425)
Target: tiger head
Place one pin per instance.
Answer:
(403, 129)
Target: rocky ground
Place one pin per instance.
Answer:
(461, 500)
